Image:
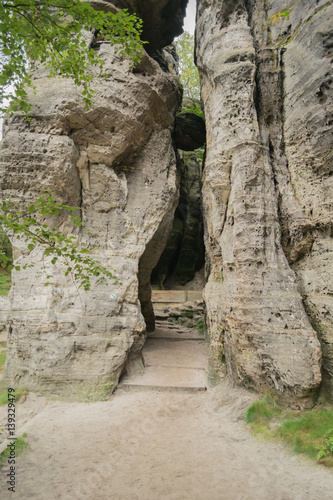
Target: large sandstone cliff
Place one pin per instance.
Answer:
(117, 163)
(266, 72)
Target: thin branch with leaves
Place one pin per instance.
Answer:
(52, 32)
(60, 248)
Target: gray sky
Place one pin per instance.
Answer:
(189, 21)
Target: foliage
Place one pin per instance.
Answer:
(5, 246)
(196, 109)
(53, 32)
(189, 75)
(261, 412)
(5, 281)
(307, 432)
(327, 447)
(199, 154)
(30, 226)
(20, 446)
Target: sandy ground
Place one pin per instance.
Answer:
(157, 446)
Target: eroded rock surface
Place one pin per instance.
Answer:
(266, 76)
(266, 72)
(184, 251)
(162, 20)
(190, 132)
(117, 163)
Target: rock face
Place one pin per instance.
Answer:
(117, 163)
(162, 20)
(184, 250)
(190, 132)
(266, 72)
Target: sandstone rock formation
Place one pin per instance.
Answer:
(162, 20)
(117, 163)
(184, 250)
(190, 132)
(266, 72)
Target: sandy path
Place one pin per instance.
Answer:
(159, 446)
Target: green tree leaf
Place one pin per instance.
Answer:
(62, 248)
(189, 75)
(53, 32)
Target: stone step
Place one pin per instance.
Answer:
(160, 316)
(175, 334)
(176, 296)
(167, 353)
(174, 361)
(161, 378)
(173, 326)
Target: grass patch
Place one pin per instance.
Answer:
(307, 432)
(19, 392)
(310, 433)
(5, 282)
(20, 446)
(2, 360)
(262, 412)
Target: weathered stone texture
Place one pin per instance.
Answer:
(117, 163)
(190, 132)
(184, 250)
(267, 190)
(266, 72)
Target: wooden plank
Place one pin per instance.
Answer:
(168, 296)
(175, 296)
(194, 295)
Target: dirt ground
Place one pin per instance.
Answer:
(156, 446)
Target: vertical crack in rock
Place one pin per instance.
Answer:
(255, 312)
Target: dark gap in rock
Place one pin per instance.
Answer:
(175, 256)
(183, 255)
